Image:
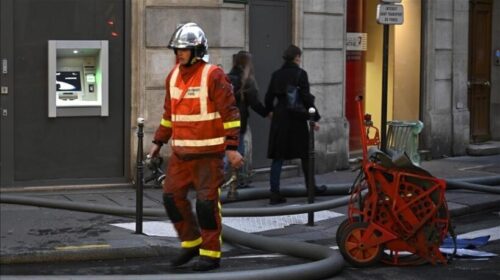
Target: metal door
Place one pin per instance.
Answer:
(6, 77)
(480, 69)
(270, 35)
(65, 150)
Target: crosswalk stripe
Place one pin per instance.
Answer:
(246, 224)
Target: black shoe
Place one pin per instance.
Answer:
(276, 198)
(185, 256)
(319, 189)
(206, 263)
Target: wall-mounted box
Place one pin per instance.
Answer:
(78, 78)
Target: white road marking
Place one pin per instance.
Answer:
(493, 232)
(475, 167)
(246, 224)
(256, 224)
(468, 253)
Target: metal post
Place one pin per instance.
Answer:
(383, 129)
(310, 171)
(139, 177)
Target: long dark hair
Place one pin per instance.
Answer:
(243, 60)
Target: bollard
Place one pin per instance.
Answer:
(310, 171)
(139, 177)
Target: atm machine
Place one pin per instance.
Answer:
(78, 78)
(68, 84)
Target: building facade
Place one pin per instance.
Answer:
(265, 28)
(444, 70)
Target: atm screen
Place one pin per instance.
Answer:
(68, 81)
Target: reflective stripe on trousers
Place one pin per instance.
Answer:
(205, 174)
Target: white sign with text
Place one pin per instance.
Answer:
(390, 14)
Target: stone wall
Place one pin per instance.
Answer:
(445, 57)
(322, 39)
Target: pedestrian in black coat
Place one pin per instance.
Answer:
(289, 133)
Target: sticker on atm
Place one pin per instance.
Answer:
(90, 78)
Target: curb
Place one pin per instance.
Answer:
(484, 149)
(44, 256)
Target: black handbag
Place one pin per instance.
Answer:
(294, 101)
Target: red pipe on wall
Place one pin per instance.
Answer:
(355, 72)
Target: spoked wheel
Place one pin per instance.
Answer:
(345, 223)
(354, 250)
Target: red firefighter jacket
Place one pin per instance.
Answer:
(200, 114)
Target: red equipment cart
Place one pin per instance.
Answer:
(397, 211)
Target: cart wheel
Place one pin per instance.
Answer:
(342, 226)
(354, 251)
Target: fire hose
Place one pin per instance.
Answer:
(326, 262)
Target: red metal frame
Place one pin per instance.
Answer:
(403, 209)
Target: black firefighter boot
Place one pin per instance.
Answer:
(185, 256)
(205, 263)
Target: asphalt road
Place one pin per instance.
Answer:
(247, 259)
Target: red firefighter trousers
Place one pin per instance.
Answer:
(205, 174)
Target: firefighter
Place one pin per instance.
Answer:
(202, 122)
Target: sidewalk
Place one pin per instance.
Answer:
(34, 234)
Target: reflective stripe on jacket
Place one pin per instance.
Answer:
(196, 120)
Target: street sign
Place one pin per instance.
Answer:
(390, 14)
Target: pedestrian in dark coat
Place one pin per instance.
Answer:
(289, 133)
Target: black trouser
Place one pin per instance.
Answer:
(276, 167)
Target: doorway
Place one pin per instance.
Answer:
(479, 84)
(403, 93)
(270, 34)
